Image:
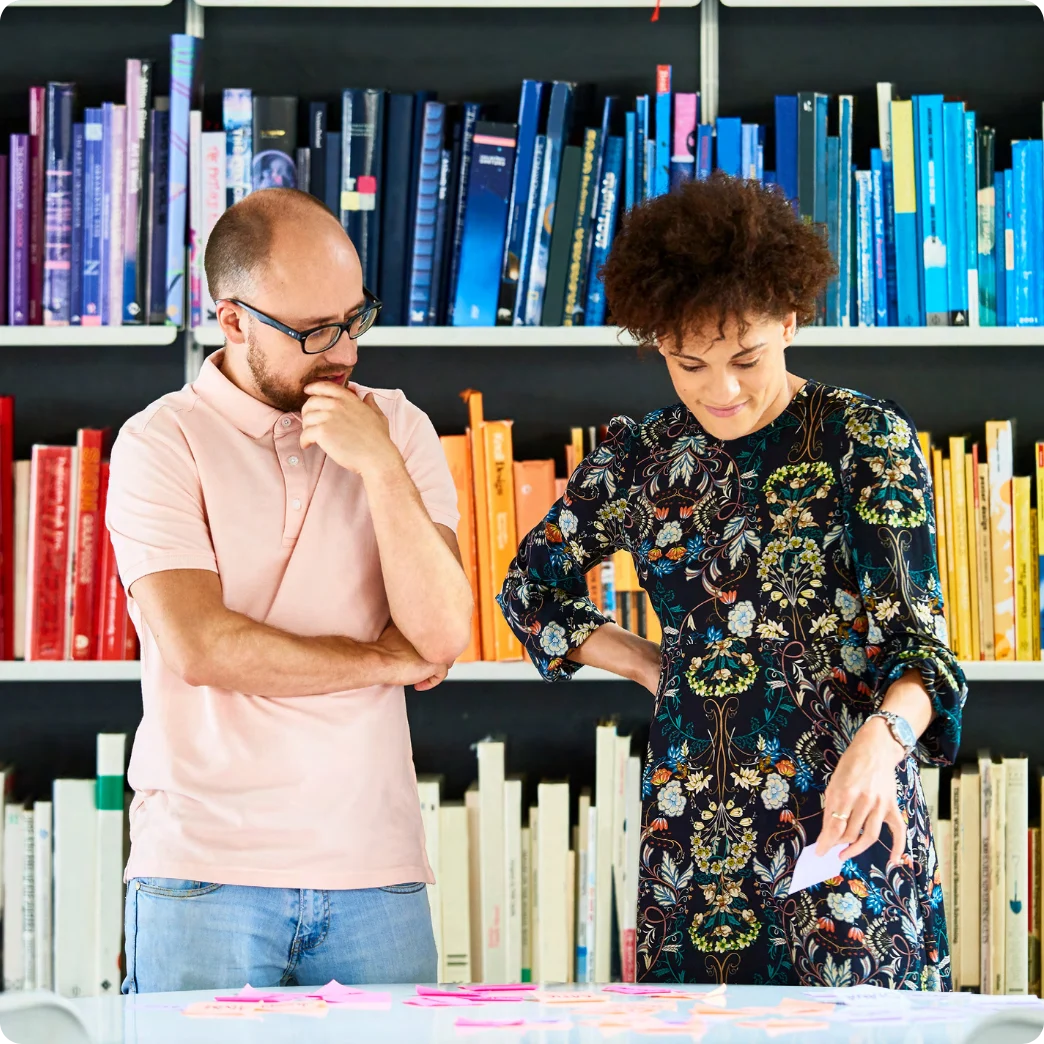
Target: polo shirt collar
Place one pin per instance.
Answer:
(251, 416)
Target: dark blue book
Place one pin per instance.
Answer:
(833, 291)
(820, 205)
(362, 157)
(110, 116)
(730, 145)
(1000, 275)
(444, 303)
(58, 158)
(572, 313)
(1011, 310)
(333, 172)
(469, 118)
(396, 210)
(845, 254)
(426, 213)
(605, 229)
(94, 147)
(643, 174)
(139, 103)
(439, 255)
(532, 225)
(317, 144)
(985, 143)
(156, 226)
(704, 151)
(877, 217)
(76, 255)
(787, 145)
(632, 192)
(485, 224)
(891, 287)
(608, 119)
(562, 235)
(806, 156)
(420, 100)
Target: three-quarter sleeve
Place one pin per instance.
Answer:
(544, 598)
(890, 525)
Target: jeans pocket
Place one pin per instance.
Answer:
(404, 889)
(174, 887)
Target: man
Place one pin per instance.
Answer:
(287, 542)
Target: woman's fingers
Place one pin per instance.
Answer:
(863, 807)
(871, 833)
(835, 801)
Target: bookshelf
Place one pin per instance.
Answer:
(482, 4)
(85, 336)
(91, 3)
(779, 4)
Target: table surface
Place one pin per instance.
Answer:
(156, 1019)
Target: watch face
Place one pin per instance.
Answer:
(904, 732)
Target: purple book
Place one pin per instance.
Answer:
(58, 174)
(37, 104)
(18, 236)
(3, 240)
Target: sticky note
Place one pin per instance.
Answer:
(513, 987)
(778, 1027)
(299, 1006)
(443, 1002)
(811, 869)
(217, 1010)
(487, 1023)
(248, 993)
(334, 993)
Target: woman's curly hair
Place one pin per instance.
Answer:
(709, 250)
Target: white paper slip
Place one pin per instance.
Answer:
(811, 869)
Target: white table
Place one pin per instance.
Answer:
(157, 1019)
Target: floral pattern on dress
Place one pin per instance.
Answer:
(794, 575)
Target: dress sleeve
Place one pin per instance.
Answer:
(890, 524)
(544, 598)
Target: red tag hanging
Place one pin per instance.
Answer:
(656, 12)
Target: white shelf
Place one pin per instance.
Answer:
(483, 4)
(918, 336)
(782, 4)
(516, 671)
(88, 3)
(85, 336)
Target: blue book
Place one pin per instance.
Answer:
(531, 224)
(109, 115)
(1027, 176)
(318, 128)
(512, 275)
(485, 224)
(661, 180)
(704, 151)
(559, 125)
(156, 241)
(1010, 274)
(333, 172)
(729, 132)
(770, 178)
(426, 214)
(57, 217)
(833, 300)
(956, 210)
(185, 95)
(864, 248)
(971, 221)
(632, 193)
(878, 219)
(683, 138)
(845, 255)
(1000, 240)
(820, 204)
(787, 145)
(650, 167)
(469, 119)
(749, 151)
(608, 108)
(362, 173)
(641, 153)
(888, 195)
(237, 117)
(760, 152)
(437, 304)
(93, 159)
(395, 213)
(605, 229)
(420, 99)
(931, 182)
(76, 256)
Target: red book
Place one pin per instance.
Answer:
(89, 526)
(37, 100)
(115, 637)
(6, 527)
(50, 511)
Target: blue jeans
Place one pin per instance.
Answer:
(190, 935)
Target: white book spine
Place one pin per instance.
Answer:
(633, 828)
(581, 845)
(526, 904)
(214, 176)
(43, 892)
(1016, 876)
(534, 890)
(590, 886)
(952, 898)
(605, 762)
(491, 849)
(570, 921)
(552, 882)
(194, 268)
(428, 794)
(971, 877)
(454, 892)
(108, 882)
(28, 900)
(623, 751)
(75, 842)
(14, 854)
(513, 884)
(471, 801)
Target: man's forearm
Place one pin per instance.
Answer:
(428, 594)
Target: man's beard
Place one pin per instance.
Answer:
(277, 391)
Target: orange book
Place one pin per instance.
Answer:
(654, 632)
(560, 488)
(476, 424)
(503, 542)
(534, 493)
(458, 456)
(999, 448)
(88, 530)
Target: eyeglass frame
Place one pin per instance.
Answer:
(373, 303)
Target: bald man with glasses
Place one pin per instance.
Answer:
(287, 541)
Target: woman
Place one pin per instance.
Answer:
(784, 532)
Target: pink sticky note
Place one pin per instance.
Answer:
(299, 1005)
(778, 1027)
(811, 869)
(464, 1022)
(483, 987)
(434, 991)
(443, 1002)
(248, 993)
(334, 993)
(626, 987)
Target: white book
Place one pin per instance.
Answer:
(969, 846)
(605, 768)
(454, 893)
(526, 904)
(28, 900)
(1016, 875)
(471, 803)
(108, 881)
(633, 832)
(43, 894)
(580, 846)
(951, 898)
(75, 916)
(22, 469)
(534, 894)
(14, 854)
(590, 884)
(428, 788)
(116, 147)
(513, 880)
(491, 849)
(195, 209)
(213, 206)
(623, 752)
(571, 915)
(930, 786)
(885, 93)
(944, 857)
(552, 882)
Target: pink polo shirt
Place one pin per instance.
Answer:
(302, 792)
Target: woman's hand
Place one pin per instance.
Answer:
(614, 649)
(863, 788)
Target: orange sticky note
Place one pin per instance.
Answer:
(227, 1010)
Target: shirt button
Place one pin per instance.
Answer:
(296, 504)
(293, 461)
(286, 422)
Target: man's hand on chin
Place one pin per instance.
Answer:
(350, 430)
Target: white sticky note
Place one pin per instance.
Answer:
(811, 869)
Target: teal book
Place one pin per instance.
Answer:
(931, 183)
(986, 208)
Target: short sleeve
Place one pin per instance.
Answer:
(545, 598)
(890, 524)
(154, 507)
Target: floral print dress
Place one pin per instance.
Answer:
(794, 574)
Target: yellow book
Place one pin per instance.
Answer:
(577, 442)
(982, 508)
(1034, 582)
(999, 439)
(954, 619)
(476, 423)
(625, 582)
(972, 524)
(503, 541)
(959, 546)
(652, 622)
(925, 440)
(939, 495)
(1022, 537)
(1039, 545)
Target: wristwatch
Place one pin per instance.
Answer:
(900, 729)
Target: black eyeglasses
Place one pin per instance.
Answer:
(322, 338)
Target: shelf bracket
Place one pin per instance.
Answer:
(708, 61)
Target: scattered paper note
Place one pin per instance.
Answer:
(227, 1010)
(778, 1027)
(627, 987)
(465, 1022)
(299, 1006)
(502, 988)
(248, 993)
(334, 993)
(811, 869)
(796, 1006)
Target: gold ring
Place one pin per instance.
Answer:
(839, 815)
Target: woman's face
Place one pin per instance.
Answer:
(733, 385)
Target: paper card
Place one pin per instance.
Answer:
(484, 987)
(796, 1006)
(248, 993)
(465, 1022)
(222, 1010)
(333, 992)
(779, 1027)
(300, 1006)
(443, 1002)
(434, 991)
(627, 987)
(553, 997)
(811, 869)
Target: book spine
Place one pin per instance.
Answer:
(822, 111)
(362, 152)
(134, 131)
(317, 147)
(729, 132)
(43, 888)
(426, 214)
(76, 242)
(89, 527)
(5, 206)
(931, 168)
(18, 233)
(999, 459)
(108, 803)
(663, 130)
(117, 203)
(93, 170)
(58, 200)
(641, 137)
(884, 123)
(213, 206)
(303, 163)
(436, 308)
(7, 529)
(833, 228)
(1010, 272)
(395, 214)
(142, 209)
(105, 263)
(13, 855)
(573, 311)
(333, 171)
(467, 146)
(1000, 273)
(75, 838)
(880, 279)
(986, 227)
(683, 151)
(1022, 550)
(786, 112)
(846, 259)
(631, 193)
(1038, 551)
(704, 151)
(500, 485)
(605, 229)
(156, 249)
(195, 231)
(864, 242)
(28, 900)
(904, 172)
(1025, 297)
(37, 206)
(956, 236)
(183, 59)
(237, 117)
(971, 249)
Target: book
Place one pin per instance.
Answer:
(94, 230)
(421, 258)
(4, 243)
(562, 236)
(362, 154)
(135, 233)
(156, 227)
(18, 232)
(36, 201)
(76, 239)
(108, 877)
(465, 130)
(8, 566)
(274, 127)
(75, 908)
(237, 112)
(573, 309)
(87, 528)
(604, 230)
(58, 204)
(395, 214)
(317, 128)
